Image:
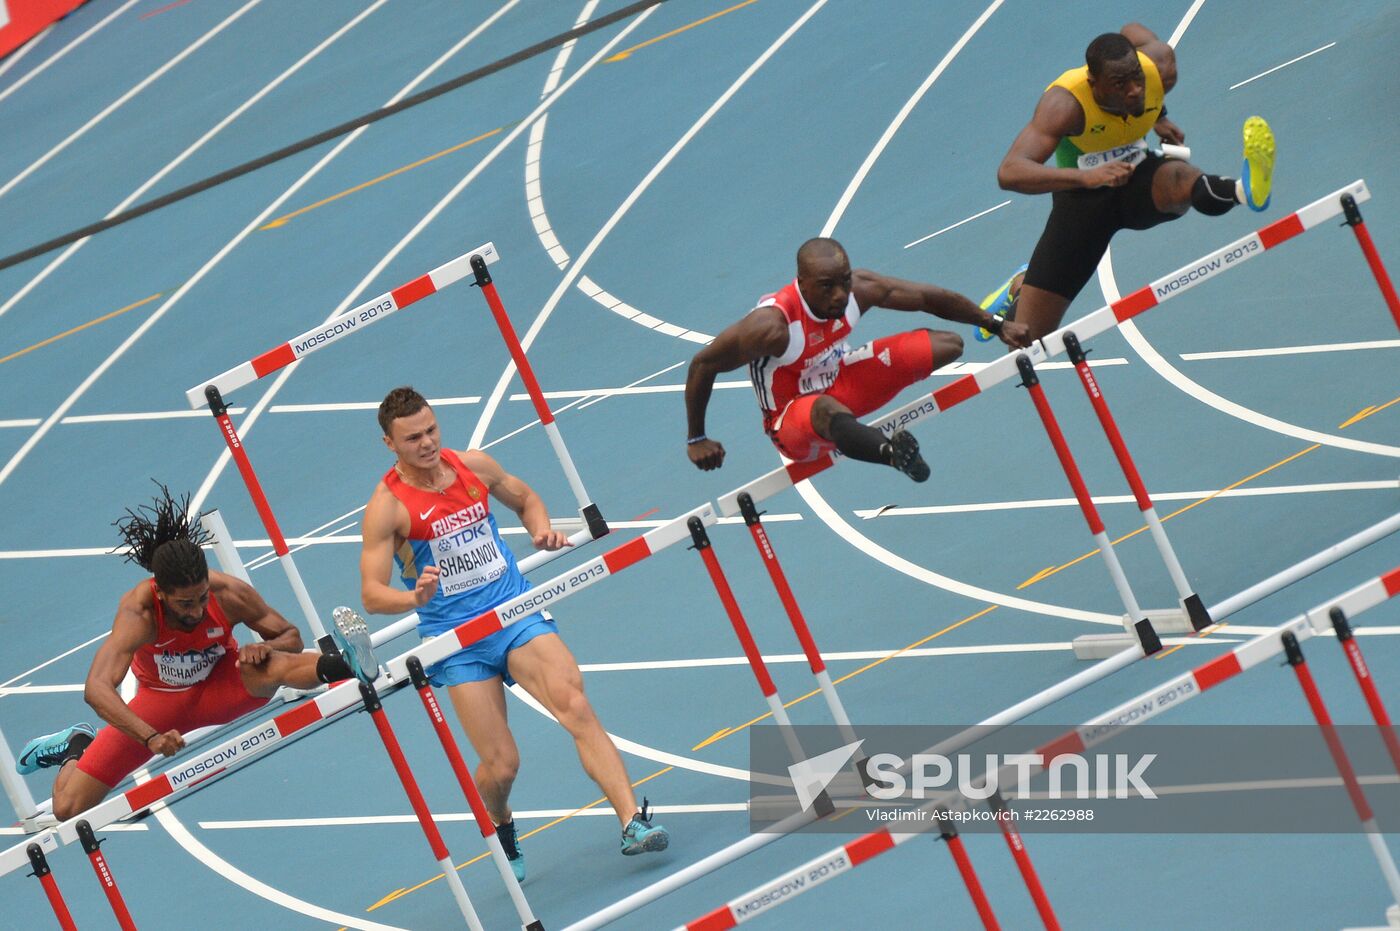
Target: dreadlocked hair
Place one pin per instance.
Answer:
(164, 539)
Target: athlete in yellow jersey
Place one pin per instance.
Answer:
(1095, 121)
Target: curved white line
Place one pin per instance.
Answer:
(233, 874)
(124, 98)
(576, 268)
(1179, 380)
(65, 50)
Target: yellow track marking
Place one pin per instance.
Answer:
(286, 218)
(80, 327)
(627, 52)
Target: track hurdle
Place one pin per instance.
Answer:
(1347, 640)
(475, 264)
(93, 848)
(221, 759)
(1085, 328)
(1373, 258)
(1133, 712)
(45, 876)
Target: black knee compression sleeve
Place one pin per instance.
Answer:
(76, 745)
(1213, 195)
(333, 669)
(858, 441)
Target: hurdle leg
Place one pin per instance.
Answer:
(949, 832)
(587, 509)
(219, 409)
(1005, 821)
(528, 921)
(1138, 623)
(1339, 756)
(1190, 601)
(21, 800)
(799, 623)
(701, 544)
(45, 877)
(92, 847)
(1373, 258)
(420, 806)
(1347, 639)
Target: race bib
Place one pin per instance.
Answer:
(468, 558)
(1130, 154)
(189, 668)
(821, 370)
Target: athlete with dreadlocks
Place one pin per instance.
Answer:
(174, 632)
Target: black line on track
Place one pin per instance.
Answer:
(296, 148)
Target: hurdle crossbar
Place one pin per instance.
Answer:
(341, 325)
(243, 748)
(1091, 325)
(1037, 702)
(1129, 714)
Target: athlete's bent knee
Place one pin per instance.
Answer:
(947, 346)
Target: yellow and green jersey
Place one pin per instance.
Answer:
(1108, 137)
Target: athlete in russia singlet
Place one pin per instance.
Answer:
(813, 357)
(178, 659)
(455, 531)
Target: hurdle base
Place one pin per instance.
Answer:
(1102, 646)
(1392, 919)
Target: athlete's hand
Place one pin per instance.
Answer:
(1168, 131)
(706, 454)
(167, 744)
(1016, 335)
(426, 586)
(254, 654)
(551, 540)
(1109, 174)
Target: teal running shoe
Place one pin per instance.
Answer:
(641, 836)
(351, 636)
(1258, 177)
(1002, 301)
(51, 749)
(505, 833)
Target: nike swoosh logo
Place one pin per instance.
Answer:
(165, 644)
(424, 515)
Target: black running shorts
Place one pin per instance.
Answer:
(1082, 223)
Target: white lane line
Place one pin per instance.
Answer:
(576, 267)
(1183, 383)
(40, 689)
(538, 814)
(442, 203)
(954, 226)
(1185, 23)
(50, 662)
(1261, 491)
(191, 150)
(23, 422)
(309, 540)
(56, 56)
(126, 97)
(556, 72)
(1290, 350)
(226, 870)
(208, 266)
(534, 198)
(14, 57)
(1291, 61)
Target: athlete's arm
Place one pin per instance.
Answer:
(1162, 54)
(133, 628)
(519, 497)
(1024, 171)
(763, 332)
(242, 603)
(385, 517)
(875, 290)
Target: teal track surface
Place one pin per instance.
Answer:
(686, 223)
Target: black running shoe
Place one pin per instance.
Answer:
(904, 456)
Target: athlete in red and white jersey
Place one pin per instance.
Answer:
(811, 386)
(174, 632)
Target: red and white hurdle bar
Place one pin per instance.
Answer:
(625, 907)
(473, 263)
(1086, 327)
(227, 756)
(1098, 730)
